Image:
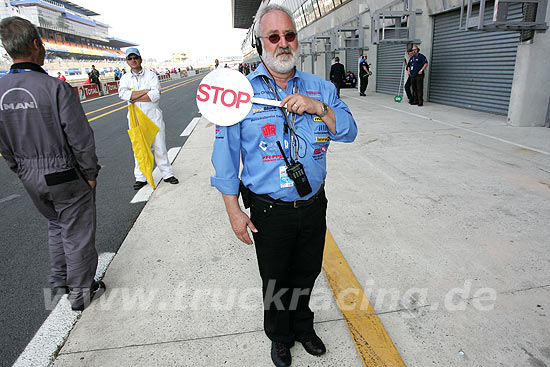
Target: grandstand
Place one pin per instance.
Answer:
(72, 38)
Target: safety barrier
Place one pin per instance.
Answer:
(110, 87)
(87, 91)
(164, 77)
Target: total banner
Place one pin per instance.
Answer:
(110, 87)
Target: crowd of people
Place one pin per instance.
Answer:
(247, 68)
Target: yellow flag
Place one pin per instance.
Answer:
(142, 133)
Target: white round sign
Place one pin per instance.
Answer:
(224, 96)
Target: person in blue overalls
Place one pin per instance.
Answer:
(287, 200)
(47, 141)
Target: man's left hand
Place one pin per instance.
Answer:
(300, 104)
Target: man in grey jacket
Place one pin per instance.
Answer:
(46, 139)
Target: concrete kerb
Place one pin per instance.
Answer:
(413, 204)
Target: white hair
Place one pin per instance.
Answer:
(269, 8)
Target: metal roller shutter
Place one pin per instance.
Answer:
(472, 69)
(389, 65)
(352, 59)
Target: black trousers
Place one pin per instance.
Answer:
(418, 88)
(289, 247)
(410, 94)
(364, 80)
(338, 86)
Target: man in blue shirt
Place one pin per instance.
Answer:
(364, 72)
(288, 217)
(416, 67)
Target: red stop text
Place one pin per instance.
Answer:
(227, 97)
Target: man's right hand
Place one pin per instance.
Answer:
(240, 222)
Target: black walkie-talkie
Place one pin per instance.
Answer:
(296, 173)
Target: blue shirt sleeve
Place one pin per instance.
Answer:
(346, 128)
(226, 159)
(423, 60)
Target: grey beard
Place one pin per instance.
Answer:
(283, 64)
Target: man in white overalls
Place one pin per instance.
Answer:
(142, 87)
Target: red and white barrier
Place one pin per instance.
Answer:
(164, 77)
(89, 91)
(110, 88)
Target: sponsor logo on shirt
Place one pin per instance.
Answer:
(272, 158)
(319, 153)
(317, 119)
(268, 130)
(260, 92)
(17, 99)
(265, 117)
(312, 92)
(262, 109)
(269, 148)
(321, 129)
(321, 139)
(219, 134)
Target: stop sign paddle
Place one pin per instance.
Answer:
(225, 97)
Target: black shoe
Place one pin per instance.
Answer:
(413, 102)
(280, 354)
(139, 184)
(96, 290)
(362, 94)
(315, 347)
(420, 104)
(172, 180)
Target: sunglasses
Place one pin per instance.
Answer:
(133, 58)
(275, 38)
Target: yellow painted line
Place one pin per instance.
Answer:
(372, 342)
(107, 113)
(166, 90)
(125, 106)
(102, 108)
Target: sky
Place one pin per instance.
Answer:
(197, 27)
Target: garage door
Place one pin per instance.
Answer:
(472, 69)
(352, 57)
(389, 66)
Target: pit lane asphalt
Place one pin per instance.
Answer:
(24, 259)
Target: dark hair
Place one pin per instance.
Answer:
(17, 36)
(336, 59)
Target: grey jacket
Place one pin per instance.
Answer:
(43, 125)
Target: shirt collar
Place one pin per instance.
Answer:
(138, 74)
(28, 65)
(262, 71)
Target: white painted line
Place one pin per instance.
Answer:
(145, 192)
(459, 127)
(189, 129)
(9, 197)
(41, 350)
(103, 262)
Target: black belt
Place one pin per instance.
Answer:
(295, 204)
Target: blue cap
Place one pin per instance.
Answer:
(132, 50)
